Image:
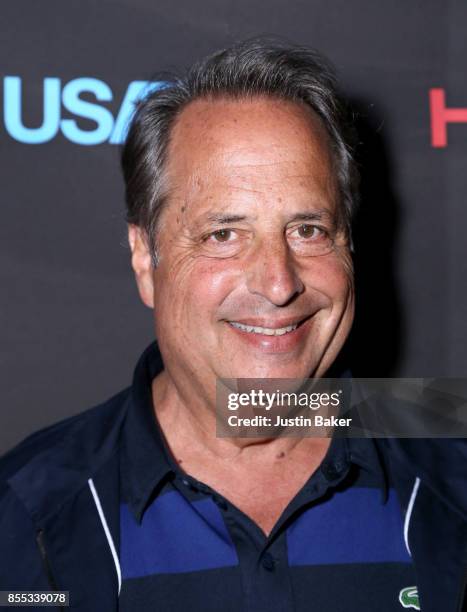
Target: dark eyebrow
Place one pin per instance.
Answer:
(313, 216)
(225, 219)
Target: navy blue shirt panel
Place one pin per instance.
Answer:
(338, 546)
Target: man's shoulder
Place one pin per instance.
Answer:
(438, 463)
(79, 437)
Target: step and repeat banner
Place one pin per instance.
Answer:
(72, 325)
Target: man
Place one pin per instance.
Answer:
(240, 189)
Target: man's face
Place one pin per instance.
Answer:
(253, 196)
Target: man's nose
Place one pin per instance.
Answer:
(273, 274)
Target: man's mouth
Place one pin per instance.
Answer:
(273, 330)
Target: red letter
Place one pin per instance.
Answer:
(441, 116)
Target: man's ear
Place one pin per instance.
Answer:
(141, 262)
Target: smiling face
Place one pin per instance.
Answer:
(254, 277)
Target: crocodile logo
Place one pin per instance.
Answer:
(408, 598)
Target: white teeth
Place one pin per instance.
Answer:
(268, 331)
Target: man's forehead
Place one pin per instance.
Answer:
(240, 146)
(228, 111)
(248, 133)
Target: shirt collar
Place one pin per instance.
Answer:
(364, 453)
(145, 459)
(146, 462)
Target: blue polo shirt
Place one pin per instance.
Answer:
(338, 546)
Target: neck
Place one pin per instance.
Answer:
(192, 424)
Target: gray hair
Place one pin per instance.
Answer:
(256, 67)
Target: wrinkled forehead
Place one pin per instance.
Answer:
(224, 143)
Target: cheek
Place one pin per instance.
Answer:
(213, 279)
(197, 289)
(332, 276)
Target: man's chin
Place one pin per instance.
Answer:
(267, 371)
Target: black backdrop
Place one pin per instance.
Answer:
(71, 322)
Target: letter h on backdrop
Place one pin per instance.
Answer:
(441, 116)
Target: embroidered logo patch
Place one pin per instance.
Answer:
(409, 598)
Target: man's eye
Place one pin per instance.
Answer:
(222, 235)
(310, 240)
(310, 231)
